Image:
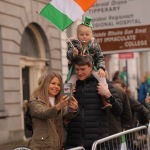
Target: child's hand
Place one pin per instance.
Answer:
(75, 52)
(101, 72)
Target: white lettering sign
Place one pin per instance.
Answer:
(119, 13)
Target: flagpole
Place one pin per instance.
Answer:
(70, 42)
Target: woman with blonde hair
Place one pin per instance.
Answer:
(48, 110)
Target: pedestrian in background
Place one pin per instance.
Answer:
(142, 90)
(116, 76)
(123, 75)
(126, 114)
(140, 115)
(147, 101)
(116, 122)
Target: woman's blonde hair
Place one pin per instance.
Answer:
(41, 79)
(42, 90)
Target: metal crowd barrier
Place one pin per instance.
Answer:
(77, 148)
(133, 139)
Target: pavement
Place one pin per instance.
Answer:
(11, 146)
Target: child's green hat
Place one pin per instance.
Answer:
(87, 21)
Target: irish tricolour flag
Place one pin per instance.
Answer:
(63, 13)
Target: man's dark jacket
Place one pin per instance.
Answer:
(91, 122)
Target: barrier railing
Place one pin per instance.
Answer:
(77, 148)
(133, 139)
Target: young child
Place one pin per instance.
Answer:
(85, 44)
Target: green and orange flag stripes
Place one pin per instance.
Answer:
(63, 13)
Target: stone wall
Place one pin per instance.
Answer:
(15, 16)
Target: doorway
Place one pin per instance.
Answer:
(26, 94)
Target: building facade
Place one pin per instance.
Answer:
(29, 46)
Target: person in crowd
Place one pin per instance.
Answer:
(147, 101)
(147, 83)
(142, 91)
(140, 114)
(123, 75)
(48, 109)
(116, 76)
(85, 44)
(116, 122)
(91, 122)
(126, 114)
